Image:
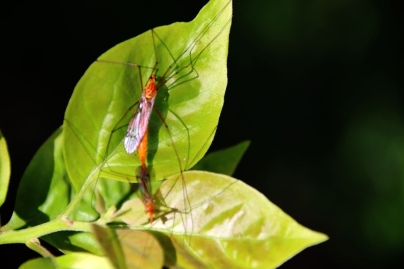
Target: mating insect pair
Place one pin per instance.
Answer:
(188, 70)
(136, 138)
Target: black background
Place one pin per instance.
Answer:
(315, 85)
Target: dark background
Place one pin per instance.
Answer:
(317, 86)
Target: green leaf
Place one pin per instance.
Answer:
(83, 260)
(46, 175)
(224, 223)
(127, 248)
(223, 161)
(43, 263)
(4, 169)
(190, 102)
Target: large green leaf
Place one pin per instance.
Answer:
(4, 169)
(190, 102)
(43, 192)
(226, 224)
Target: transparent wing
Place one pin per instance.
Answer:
(138, 125)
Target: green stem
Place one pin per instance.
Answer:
(35, 245)
(22, 236)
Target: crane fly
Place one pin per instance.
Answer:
(140, 121)
(147, 198)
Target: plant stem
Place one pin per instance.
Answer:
(22, 236)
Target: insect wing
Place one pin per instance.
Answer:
(138, 125)
(144, 183)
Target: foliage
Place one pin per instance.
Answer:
(83, 204)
